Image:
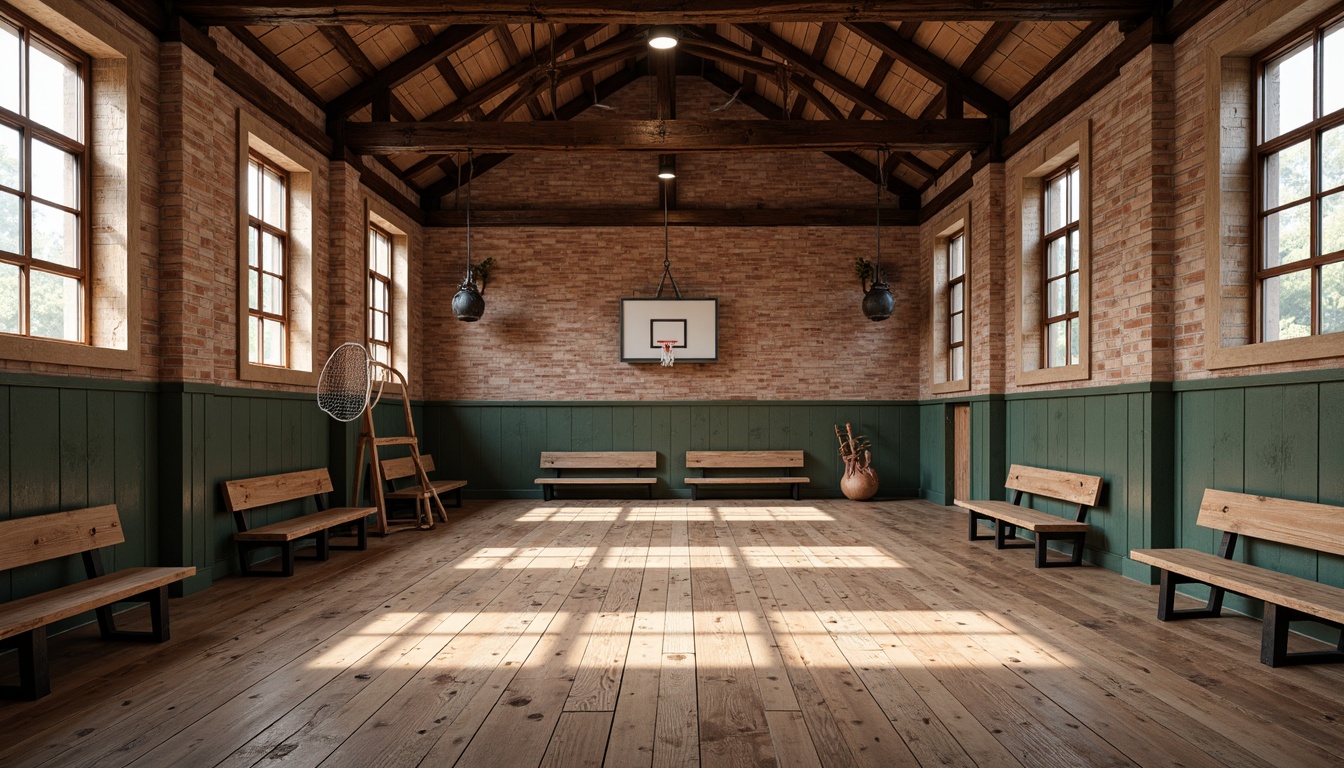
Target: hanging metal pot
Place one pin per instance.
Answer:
(878, 302)
(468, 304)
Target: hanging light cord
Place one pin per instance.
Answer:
(471, 174)
(877, 268)
(667, 257)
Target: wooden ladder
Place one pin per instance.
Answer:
(369, 443)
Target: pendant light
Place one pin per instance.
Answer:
(468, 304)
(878, 302)
(663, 37)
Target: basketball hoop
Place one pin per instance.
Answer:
(667, 357)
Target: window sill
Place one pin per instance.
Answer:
(1077, 372)
(31, 350)
(268, 375)
(947, 387)
(1269, 352)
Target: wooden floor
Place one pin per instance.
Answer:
(680, 634)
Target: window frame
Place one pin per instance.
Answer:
(1308, 36)
(373, 279)
(955, 318)
(264, 228)
(1068, 146)
(1048, 237)
(28, 130)
(954, 221)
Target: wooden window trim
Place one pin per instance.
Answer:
(952, 222)
(282, 234)
(1070, 227)
(397, 226)
(376, 279)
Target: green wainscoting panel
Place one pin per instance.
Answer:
(496, 446)
(935, 452)
(989, 467)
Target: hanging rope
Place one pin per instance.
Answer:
(877, 265)
(471, 175)
(667, 257)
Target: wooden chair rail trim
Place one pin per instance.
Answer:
(596, 480)
(599, 459)
(28, 613)
(1299, 523)
(1072, 487)
(28, 540)
(743, 459)
(1311, 597)
(1023, 517)
(298, 527)
(253, 492)
(745, 480)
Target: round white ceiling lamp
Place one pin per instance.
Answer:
(663, 37)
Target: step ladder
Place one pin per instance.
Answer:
(370, 442)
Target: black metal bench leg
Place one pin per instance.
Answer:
(695, 493)
(797, 491)
(34, 674)
(287, 559)
(1274, 640)
(362, 529)
(457, 497)
(975, 534)
(323, 539)
(649, 489)
(1166, 599)
(1002, 532)
(546, 492)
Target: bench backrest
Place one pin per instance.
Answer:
(254, 492)
(395, 469)
(599, 460)
(1065, 486)
(28, 540)
(744, 459)
(1300, 523)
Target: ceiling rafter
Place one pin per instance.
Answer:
(333, 12)
(504, 36)
(1065, 54)
(887, 40)
(350, 51)
(446, 70)
(443, 45)
(825, 36)
(254, 44)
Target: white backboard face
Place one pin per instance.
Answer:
(691, 324)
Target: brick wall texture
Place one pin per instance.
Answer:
(790, 324)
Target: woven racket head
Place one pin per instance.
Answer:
(343, 388)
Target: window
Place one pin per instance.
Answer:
(1061, 253)
(956, 307)
(1299, 160)
(1053, 340)
(950, 303)
(380, 295)
(267, 238)
(44, 248)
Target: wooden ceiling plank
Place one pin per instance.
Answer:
(650, 217)
(408, 66)
(340, 12)
(349, 50)
(1066, 53)
(874, 83)
(998, 32)
(668, 135)
(275, 62)
(506, 43)
(887, 40)
(820, 48)
(446, 70)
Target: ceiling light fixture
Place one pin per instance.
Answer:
(663, 37)
(878, 301)
(468, 304)
(666, 169)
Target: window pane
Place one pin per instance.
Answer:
(1288, 96)
(1055, 257)
(1332, 223)
(956, 257)
(1054, 344)
(1332, 158)
(1073, 292)
(55, 235)
(54, 306)
(274, 199)
(9, 155)
(253, 290)
(1055, 305)
(1288, 175)
(1075, 177)
(1073, 341)
(253, 256)
(1332, 298)
(272, 295)
(1332, 90)
(1287, 306)
(53, 91)
(254, 340)
(272, 254)
(273, 342)
(11, 229)
(9, 62)
(958, 364)
(254, 190)
(1073, 250)
(954, 328)
(955, 297)
(1286, 236)
(10, 278)
(1056, 203)
(55, 175)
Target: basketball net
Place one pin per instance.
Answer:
(667, 357)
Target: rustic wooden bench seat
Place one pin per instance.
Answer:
(1071, 487)
(404, 467)
(252, 493)
(1287, 598)
(596, 460)
(706, 460)
(24, 622)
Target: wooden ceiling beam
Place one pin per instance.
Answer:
(874, 83)
(408, 66)
(349, 50)
(357, 12)
(1065, 54)
(387, 138)
(887, 40)
(648, 217)
(446, 70)
(511, 54)
(825, 36)
(254, 44)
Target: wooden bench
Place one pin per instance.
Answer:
(706, 460)
(596, 460)
(23, 622)
(399, 469)
(1070, 487)
(252, 493)
(1318, 527)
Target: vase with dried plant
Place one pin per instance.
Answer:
(860, 480)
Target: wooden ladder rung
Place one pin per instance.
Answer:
(394, 441)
